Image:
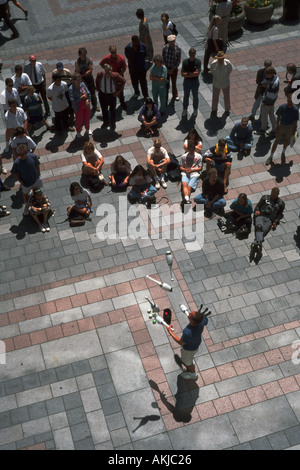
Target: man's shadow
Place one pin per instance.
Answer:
(185, 399)
(281, 171)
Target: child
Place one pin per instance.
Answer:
(82, 199)
(39, 204)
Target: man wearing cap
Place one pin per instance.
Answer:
(118, 64)
(136, 53)
(221, 69)
(37, 75)
(66, 76)
(171, 54)
(190, 342)
(109, 85)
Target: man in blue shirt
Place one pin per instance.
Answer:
(287, 118)
(190, 341)
(26, 169)
(241, 137)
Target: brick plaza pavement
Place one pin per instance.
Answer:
(85, 367)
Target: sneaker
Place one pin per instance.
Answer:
(43, 228)
(78, 135)
(4, 213)
(90, 132)
(189, 375)
(177, 98)
(195, 113)
(163, 184)
(47, 228)
(184, 113)
(269, 161)
(3, 170)
(157, 185)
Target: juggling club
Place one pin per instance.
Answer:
(155, 307)
(170, 263)
(163, 285)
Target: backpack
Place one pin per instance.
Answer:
(173, 170)
(174, 29)
(75, 219)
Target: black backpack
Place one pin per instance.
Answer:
(174, 29)
(173, 169)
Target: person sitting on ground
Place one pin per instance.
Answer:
(219, 157)
(194, 137)
(241, 137)
(20, 137)
(190, 167)
(2, 169)
(82, 200)
(267, 215)
(119, 173)
(92, 162)
(212, 195)
(142, 190)
(34, 110)
(157, 162)
(240, 214)
(149, 116)
(39, 205)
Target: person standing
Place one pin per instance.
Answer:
(37, 74)
(158, 77)
(57, 95)
(221, 69)
(171, 54)
(66, 76)
(190, 71)
(190, 342)
(136, 54)
(109, 85)
(223, 9)
(212, 44)
(118, 64)
(287, 119)
(80, 99)
(5, 17)
(260, 77)
(144, 34)
(270, 95)
(84, 66)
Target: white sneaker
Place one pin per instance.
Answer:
(189, 375)
(157, 185)
(163, 184)
(47, 228)
(184, 113)
(3, 170)
(43, 228)
(90, 132)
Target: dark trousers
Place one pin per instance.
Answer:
(173, 78)
(41, 89)
(108, 100)
(138, 77)
(5, 17)
(89, 81)
(62, 120)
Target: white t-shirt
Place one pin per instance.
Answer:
(21, 81)
(23, 140)
(15, 120)
(6, 95)
(58, 96)
(95, 155)
(168, 32)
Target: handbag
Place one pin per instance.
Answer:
(293, 139)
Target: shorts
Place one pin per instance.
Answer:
(34, 119)
(188, 356)
(285, 132)
(37, 184)
(192, 182)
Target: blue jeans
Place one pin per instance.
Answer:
(188, 87)
(234, 145)
(135, 194)
(200, 199)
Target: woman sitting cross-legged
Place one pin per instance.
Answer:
(149, 116)
(142, 189)
(82, 200)
(92, 162)
(119, 173)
